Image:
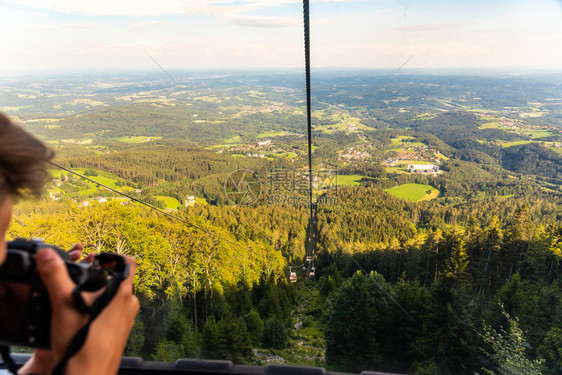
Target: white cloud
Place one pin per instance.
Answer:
(109, 7)
(263, 21)
(429, 27)
(140, 48)
(52, 26)
(137, 7)
(152, 7)
(83, 25)
(242, 33)
(148, 23)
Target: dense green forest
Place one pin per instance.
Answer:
(464, 280)
(179, 168)
(410, 294)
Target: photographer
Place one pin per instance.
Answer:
(23, 173)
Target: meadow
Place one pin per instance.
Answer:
(413, 192)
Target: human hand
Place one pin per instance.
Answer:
(108, 334)
(42, 358)
(76, 252)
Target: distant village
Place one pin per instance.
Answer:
(519, 126)
(189, 200)
(415, 158)
(56, 195)
(419, 159)
(260, 149)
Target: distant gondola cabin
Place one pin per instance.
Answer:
(293, 277)
(312, 273)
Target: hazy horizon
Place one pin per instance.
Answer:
(296, 70)
(268, 34)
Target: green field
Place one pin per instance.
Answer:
(172, 203)
(402, 169)
(271, 134)
(400, 143)
(400, 139)
(395, 149)
(102, 178)
(288, 155)
(107, 179)
(515, 143)
(550, 145)
(235, 139)
(488, 125)
(412, 192)
(349, 180)
(537, 133)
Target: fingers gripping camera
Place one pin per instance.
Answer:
(25, 310)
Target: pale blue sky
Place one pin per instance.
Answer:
(118, 34)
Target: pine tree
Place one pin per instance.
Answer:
(274, 334)
(551, 350)
(507, 350)
(457, 265)
(493, 238)
(357, 323)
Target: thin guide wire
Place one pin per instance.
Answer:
(149, 206)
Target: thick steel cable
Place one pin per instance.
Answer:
(306, 19)
(307, 78)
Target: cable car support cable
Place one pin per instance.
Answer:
(311, 243)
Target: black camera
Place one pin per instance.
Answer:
(25, 310)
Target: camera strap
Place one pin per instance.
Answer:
(94, 310)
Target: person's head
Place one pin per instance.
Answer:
(23, 170)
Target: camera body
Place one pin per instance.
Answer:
(25, 310)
